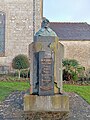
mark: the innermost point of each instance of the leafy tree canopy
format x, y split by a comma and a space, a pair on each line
20, 62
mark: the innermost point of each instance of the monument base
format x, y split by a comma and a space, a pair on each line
46, 107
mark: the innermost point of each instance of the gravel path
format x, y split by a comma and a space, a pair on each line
12, 107
79, 108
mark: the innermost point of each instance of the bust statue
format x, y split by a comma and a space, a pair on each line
45, 30
45, 23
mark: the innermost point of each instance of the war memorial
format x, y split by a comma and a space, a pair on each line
47, 100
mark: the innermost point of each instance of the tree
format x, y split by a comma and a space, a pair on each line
20, 62
72, 69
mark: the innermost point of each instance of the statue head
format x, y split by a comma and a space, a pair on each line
45, 23
45, 30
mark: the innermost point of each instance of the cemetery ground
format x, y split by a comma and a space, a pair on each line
12, 93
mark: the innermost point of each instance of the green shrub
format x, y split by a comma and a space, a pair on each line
72, 70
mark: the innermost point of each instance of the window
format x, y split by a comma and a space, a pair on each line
2, 34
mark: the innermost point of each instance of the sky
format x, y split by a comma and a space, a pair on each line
67, 10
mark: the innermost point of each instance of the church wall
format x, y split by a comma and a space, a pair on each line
38, 14
79, 50
23, 20
19, 27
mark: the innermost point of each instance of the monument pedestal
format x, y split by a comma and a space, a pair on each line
54, 107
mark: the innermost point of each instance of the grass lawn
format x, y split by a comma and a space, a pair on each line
7, 87
83, 91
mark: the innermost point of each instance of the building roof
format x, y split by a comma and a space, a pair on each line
71, 31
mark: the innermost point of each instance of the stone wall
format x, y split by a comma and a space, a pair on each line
38, 14
19, 26
23, 19
79, 50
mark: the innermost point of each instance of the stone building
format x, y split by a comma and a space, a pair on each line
19, 20
76, 40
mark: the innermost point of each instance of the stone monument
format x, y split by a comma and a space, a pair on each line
46, 100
